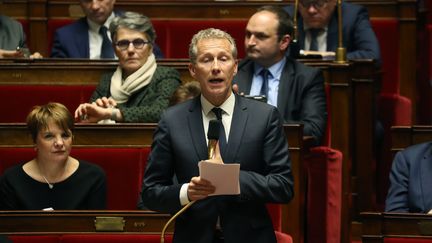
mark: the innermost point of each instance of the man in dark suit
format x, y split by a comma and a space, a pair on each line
297, 90
321, 17
411, 181
254, 139
88, 37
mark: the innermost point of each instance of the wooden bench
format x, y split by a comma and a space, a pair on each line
396, 228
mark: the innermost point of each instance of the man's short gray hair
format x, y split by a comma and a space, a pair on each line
133, 21
210, 33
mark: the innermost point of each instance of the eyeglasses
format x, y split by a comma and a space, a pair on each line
315, 3
137, 44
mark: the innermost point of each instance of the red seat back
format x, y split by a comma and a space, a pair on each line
387, 32
324, 195
20, 99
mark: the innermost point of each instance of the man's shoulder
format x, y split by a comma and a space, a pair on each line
74, 27
419, 149
352, 9
8, 21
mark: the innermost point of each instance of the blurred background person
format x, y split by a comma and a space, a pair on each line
295, 89
317, 27
53, 179
410, 180
89, 36
139, 90
185, 92
13, 40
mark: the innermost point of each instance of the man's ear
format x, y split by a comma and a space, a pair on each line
284, 42
192, 70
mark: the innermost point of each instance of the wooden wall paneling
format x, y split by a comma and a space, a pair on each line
38, 26
408, 53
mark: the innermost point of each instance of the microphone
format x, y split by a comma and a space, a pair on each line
213, 137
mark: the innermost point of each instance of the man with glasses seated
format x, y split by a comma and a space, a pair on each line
139, 90
318, 29
89, 37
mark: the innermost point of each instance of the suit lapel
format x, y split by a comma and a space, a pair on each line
285, 82
244, 79
238, 125
426, 179
195, 126
332, 34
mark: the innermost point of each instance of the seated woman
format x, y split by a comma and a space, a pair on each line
139, 90
410, 180
52, 180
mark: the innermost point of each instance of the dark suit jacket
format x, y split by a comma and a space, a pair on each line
359, 39
148, 103
301, 95
411, 181
72, 41
11, 34
256, 141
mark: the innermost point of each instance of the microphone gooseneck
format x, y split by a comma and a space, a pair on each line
213, 137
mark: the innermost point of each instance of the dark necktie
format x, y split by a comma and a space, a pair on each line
106, 49
314, 42
222, 138
264, 88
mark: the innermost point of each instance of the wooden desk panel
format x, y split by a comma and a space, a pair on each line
404, 136
378, 226
79, 221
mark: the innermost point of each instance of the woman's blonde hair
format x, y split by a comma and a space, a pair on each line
40, 116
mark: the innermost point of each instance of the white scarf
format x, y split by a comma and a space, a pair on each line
121, 89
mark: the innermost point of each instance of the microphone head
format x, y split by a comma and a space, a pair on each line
213, 130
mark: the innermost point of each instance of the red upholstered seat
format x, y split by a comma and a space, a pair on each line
124, 168
114, 238
35, 238
179, 33
283, 238
20, 99
324, 195
386, 30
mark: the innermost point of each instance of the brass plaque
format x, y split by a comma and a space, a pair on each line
109, 224
425, 227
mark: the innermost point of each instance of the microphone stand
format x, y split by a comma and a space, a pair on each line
213, 137
294, 45
340, 51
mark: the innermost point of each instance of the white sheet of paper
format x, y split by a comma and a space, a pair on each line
225, 177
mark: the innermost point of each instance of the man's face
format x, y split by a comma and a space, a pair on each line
215, 68
97, 11
261, 39
317, 13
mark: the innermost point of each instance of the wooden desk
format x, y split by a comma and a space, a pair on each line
404, 136
378, 226
80, 221
139, 135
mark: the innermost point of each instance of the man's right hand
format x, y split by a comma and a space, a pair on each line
199, 189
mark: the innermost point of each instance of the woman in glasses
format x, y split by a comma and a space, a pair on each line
139, 90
